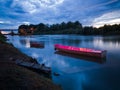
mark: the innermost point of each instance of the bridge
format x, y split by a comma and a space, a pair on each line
9, 31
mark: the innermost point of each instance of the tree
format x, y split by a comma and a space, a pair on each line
23, 29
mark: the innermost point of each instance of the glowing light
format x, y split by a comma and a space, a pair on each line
3, 32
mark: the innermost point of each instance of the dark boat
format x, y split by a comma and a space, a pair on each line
36, 44
81, 51
34, 66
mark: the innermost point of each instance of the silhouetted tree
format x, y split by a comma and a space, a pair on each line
69, 28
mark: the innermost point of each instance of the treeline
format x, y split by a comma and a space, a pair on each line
2, 38
71, 28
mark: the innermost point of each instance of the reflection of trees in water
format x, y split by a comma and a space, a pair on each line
111, 39
88, 40
30, 43
108, 42
68, 41
23, 42
74, 40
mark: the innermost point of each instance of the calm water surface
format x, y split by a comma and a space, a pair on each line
76, 72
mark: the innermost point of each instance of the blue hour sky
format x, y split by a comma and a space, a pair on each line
88, 12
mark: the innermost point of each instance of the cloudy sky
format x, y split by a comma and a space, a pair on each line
89, 12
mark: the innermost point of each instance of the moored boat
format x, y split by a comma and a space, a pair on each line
36, 44
81, 51
34, 66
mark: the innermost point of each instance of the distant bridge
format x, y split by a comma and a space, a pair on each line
8, 31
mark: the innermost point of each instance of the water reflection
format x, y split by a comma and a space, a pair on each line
76, 73
31, 44
107, 80
71, 82
93, 59
107, 42
67, 41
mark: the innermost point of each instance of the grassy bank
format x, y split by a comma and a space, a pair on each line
14, 77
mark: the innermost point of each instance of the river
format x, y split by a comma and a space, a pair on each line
76, 72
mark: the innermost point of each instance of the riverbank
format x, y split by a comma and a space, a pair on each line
14, 77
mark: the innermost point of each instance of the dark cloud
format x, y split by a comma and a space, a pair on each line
88, 12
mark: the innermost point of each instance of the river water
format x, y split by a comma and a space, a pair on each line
76, 72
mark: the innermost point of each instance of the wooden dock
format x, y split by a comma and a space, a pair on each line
40, 68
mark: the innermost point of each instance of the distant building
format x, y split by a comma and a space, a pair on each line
26, 29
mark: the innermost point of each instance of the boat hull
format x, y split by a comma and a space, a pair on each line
92, 53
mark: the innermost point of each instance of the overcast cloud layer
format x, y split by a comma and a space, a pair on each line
89, 12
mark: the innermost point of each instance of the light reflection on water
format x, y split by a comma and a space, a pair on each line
76, 73
108, 44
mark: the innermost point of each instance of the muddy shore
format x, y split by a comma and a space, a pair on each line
14, 77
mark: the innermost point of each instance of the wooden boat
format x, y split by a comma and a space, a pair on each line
82, 57
36, 45
81, 51
34, 66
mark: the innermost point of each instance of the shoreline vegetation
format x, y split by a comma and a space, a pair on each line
68, 28
14, 77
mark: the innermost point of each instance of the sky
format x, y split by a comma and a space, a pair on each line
88, 12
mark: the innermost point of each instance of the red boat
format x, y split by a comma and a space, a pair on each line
36, 45
81, 51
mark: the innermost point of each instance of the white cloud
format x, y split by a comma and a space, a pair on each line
1, 22
50, 3
102, 4
26, 23
107, 18
5, 22
26, 6
32, 6
9, 24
